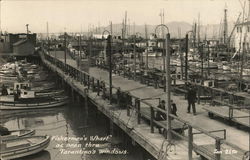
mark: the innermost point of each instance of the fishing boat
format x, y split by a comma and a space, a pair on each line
22, 132
150, 52
22, 97
4, 132
206, 65
13, 147
21, 70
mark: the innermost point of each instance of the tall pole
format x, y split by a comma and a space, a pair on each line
0, 18
168, 85
225, 31
65, 48
134, 52
201, 52
27, 29
195, 29
111, 28
208, 63
186, 59
80, 47
55, 48
146, 36
125, 25
47, 26
109, 51
164, 57
134, 58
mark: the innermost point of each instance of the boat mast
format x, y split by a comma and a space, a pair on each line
0, 18
243, 45
225, 30
146, 37
125, 25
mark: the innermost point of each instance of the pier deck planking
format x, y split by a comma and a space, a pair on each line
143, 91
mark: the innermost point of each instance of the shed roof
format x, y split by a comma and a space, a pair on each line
20, 42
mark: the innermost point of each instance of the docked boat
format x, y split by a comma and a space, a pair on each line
17, 147
22, 132
150, 52
206, 65
21, 70
22, 97
5, 133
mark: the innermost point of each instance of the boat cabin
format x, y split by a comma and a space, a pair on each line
209, 83
24, 90
25, 86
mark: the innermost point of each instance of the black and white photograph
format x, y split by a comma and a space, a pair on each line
124, 79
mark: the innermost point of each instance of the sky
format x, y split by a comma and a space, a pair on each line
78, 15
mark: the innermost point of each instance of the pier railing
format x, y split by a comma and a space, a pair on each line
146, 111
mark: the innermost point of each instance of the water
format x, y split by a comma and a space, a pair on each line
73, 120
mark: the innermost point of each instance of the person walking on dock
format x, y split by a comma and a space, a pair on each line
191, 97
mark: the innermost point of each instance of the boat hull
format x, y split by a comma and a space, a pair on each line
33, 106
23, 151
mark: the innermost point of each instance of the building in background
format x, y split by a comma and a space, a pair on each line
20, 44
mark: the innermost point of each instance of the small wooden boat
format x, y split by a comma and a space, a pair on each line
22, 132
5, 133
59, 101
22, 97
17, 147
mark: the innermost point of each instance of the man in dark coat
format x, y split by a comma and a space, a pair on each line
191, 97
159, 115
173, 108
4, 90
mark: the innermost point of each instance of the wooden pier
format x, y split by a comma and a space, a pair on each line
191, 134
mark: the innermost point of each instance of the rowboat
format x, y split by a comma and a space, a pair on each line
5, 133
22, 132
17, 147
59, 101
22, 97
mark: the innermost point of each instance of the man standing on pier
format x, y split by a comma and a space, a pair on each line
160, 116
191, 97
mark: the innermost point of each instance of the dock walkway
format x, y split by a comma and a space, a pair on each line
142, 133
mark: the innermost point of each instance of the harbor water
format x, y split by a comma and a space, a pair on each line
71, 128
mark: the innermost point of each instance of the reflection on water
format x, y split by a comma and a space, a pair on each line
44, 155
73, 120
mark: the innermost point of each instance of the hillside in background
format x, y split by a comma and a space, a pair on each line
176, 29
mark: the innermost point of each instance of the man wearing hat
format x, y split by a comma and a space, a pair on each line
160, 116
191, 97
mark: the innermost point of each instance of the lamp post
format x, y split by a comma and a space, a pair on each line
78, 60
65, 48
134, 50
163, 53
109, 51
55, 47
166, 60
186, 56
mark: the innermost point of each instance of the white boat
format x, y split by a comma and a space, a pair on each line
22, 132
5, 133
22, 97
206, 65
246, 72
18, 147
226, 68
38, 105
151, 52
